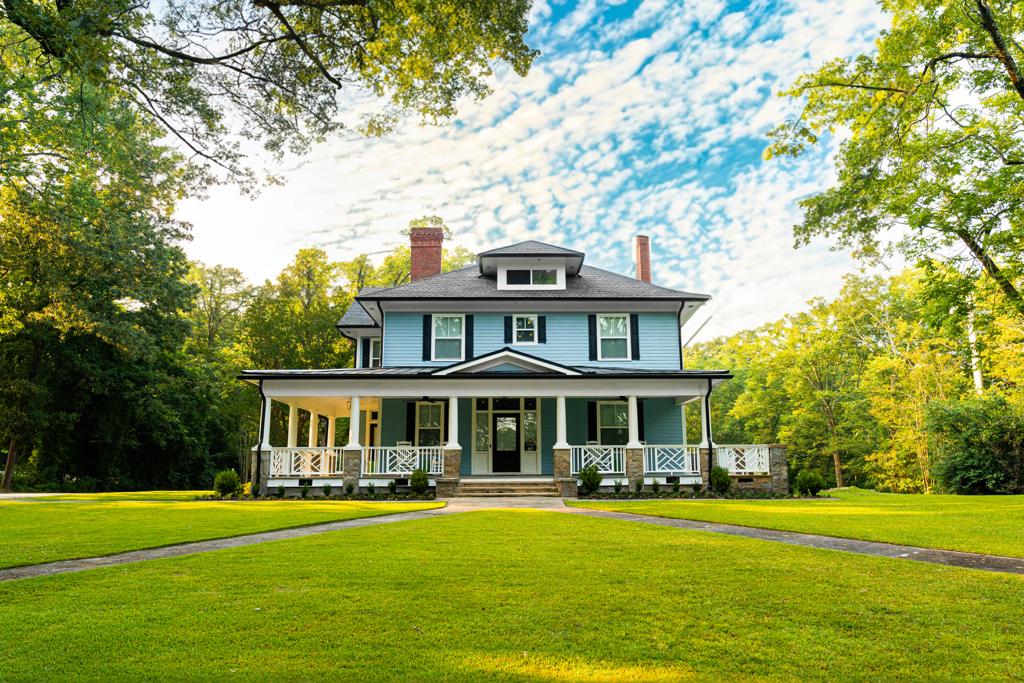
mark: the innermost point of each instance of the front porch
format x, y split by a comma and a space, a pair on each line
465, 442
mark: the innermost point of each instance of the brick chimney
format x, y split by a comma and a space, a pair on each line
425, 245
643, 258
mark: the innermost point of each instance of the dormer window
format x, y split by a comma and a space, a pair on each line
539, 276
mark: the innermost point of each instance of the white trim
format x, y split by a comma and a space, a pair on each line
536, 329
629, 336
527, 264
486, 458
380, 351
486, 362
433, 337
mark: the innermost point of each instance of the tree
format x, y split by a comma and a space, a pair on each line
269, 70
221, 296
935, 153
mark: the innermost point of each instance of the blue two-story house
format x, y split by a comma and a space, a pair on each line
507, 376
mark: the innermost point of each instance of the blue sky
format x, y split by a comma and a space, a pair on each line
638, 117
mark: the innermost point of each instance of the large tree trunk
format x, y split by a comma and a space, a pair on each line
1010, 291
12, 458
837, 462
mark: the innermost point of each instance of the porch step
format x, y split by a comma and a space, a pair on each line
510, 488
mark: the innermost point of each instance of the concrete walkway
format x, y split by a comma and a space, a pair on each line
993, 563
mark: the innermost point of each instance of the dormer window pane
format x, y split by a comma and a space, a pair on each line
517, 277
545, 277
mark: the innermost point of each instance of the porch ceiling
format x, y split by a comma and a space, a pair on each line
336, 406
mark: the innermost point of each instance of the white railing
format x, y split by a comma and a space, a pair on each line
402, 461
305, 461
671, 459
743, 458
609, 459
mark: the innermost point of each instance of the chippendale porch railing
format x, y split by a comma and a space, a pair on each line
671, 460
609, 459
402, 461
743, 458
305, 461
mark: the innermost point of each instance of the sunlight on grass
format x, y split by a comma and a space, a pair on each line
534, 667
981, 524
128, 495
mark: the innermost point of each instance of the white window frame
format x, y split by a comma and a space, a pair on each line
536, 329
416, 431
625, 405
375, 342
629, 336
433, 337
540, 264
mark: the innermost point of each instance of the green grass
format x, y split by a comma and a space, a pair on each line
40, 531
980, 524
516, 595
127, 495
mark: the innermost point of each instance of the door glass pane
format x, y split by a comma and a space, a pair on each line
530, 431
506, 435
506, 404
482, 432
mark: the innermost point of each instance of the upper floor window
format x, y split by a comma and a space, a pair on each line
375, 352
525, 329
448, 337
613, 337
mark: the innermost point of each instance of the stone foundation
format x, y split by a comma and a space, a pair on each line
634, 466
448, 483
562, 463
350, 466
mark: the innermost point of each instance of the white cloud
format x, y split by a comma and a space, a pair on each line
651, 122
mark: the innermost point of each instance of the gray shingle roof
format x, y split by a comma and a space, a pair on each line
428, 372
591, 283
531, 248
356, 315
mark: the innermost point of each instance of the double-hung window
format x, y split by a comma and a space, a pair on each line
375, 353
613, 337
524, 329
612, 423
429, 424
448, 337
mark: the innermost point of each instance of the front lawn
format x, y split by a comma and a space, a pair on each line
44, 530
128, 495
980, 524
515, 595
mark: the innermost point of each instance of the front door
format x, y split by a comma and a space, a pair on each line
506, 443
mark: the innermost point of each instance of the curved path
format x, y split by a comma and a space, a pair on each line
953, 558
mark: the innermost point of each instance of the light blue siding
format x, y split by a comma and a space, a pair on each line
567, 340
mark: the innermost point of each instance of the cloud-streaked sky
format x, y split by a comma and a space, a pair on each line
638, 117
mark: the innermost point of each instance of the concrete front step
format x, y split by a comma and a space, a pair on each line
506, 494
511, 488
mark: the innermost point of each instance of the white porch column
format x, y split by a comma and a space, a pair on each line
453, 424
331, 419
314, 425
561, 439
353, 424
634, 426
682, 413
265, 425
705, 408
293, 426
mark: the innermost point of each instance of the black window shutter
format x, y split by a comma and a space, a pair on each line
469, 337
426, 336
410, 422
640, 419
508, 329
444, 424
591, 420
634, 334
542, 329
366, 352
592, 325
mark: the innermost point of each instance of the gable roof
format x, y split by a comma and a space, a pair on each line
487, 260
497, 360
591, 283
356, 315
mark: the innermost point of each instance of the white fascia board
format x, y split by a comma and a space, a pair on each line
492, 385
530, 305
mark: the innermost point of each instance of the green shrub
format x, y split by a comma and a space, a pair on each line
655, 487
304, 491
809, 483
392, 487
720, 480
675, 487
227, 483
327, 490
979, 445
370, 488
349, 487
590, 479
618, 486
697, 487
638, 486
280, 491
418, 482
